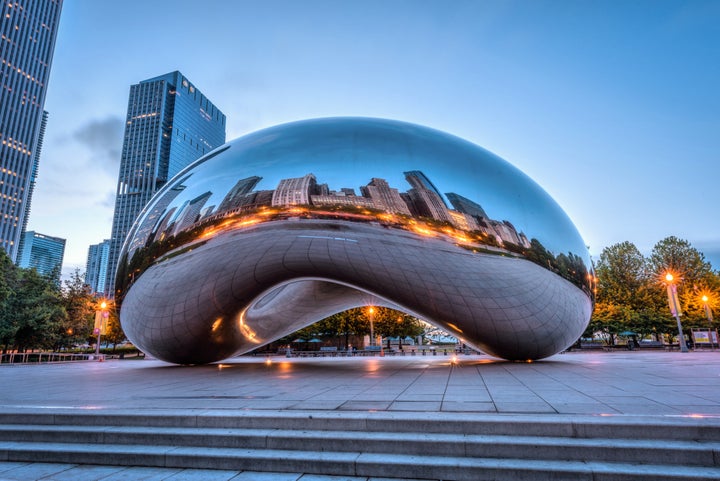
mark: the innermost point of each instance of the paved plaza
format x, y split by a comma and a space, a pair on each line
657, 386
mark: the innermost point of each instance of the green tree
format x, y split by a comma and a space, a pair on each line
631, 292
8, 281
347, 323
36, 309
80, 305
621, 273
628, 296
608, 320
394, 323
693, 275
113, 333
680, 258
695, 314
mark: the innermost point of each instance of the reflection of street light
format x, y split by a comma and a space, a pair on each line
673, 301
100, 322
709, 315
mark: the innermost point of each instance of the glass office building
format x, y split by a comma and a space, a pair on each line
28, 29
96, 267
44, 253
169, 124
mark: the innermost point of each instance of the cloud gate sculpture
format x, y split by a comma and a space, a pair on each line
285, 226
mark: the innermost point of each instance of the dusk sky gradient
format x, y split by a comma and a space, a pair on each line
613, 107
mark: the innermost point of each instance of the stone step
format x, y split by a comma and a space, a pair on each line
642, 451
349, 463
610, 427
399, 445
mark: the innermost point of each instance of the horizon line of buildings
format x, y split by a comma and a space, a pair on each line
422, 200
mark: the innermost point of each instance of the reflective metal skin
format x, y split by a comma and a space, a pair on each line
285, 226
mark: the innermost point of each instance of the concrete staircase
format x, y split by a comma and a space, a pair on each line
437, 446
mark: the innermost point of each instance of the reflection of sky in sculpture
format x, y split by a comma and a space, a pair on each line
348, 152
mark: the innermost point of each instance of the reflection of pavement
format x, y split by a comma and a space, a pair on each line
629, 387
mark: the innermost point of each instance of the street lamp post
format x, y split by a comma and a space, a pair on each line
709, 315
371, 315
673, 300
100, 319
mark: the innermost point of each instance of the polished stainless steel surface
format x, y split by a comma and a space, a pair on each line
282, 227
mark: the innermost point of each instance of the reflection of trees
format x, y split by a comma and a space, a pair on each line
145, 256
569, 266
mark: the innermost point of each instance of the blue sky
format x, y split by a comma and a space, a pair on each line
612, 107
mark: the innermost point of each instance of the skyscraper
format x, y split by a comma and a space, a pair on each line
44, 253
33, 178
169, 124
96, 267
28, 29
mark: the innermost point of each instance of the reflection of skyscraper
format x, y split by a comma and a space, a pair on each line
346, 200
192, 210
504, 231
96, 267
427, 204
169, 125
465, 205
153, 217
238, 194
424, 197
322, 189
420, 181
161, 231
28, 30
385, 197
263, 198
463, 221
295, 191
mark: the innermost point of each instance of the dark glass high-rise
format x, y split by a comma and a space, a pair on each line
169, 124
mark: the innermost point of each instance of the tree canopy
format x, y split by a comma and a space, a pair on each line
38, 313
631, 289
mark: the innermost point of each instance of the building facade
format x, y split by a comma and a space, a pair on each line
44, 253
96, 267
28, 29
169, 124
